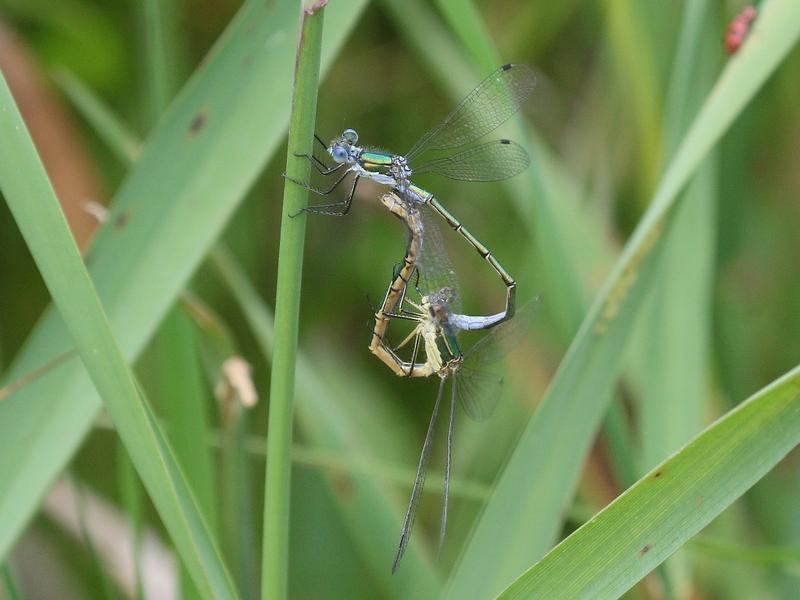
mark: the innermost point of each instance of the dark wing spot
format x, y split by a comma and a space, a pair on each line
505, 141
507, 66
197, 124
658, 474
645, 549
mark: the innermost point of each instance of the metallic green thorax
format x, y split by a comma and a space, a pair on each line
373, 160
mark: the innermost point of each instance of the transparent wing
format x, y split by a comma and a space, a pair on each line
493, 346
436, 272
448, 465
491, 161
483, 110
478, 392
419, 482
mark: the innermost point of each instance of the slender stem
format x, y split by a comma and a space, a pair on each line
287, 302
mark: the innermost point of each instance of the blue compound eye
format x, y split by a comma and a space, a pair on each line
350, 135
339, 154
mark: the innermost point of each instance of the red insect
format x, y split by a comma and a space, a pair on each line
738, 29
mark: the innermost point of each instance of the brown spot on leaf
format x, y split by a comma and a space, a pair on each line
658, 474
197, 124
645, 549
122, 219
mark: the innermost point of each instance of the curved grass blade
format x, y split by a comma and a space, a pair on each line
197, 165
38, 215
664, 509
275, 553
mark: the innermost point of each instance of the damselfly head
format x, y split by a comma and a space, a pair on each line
341, 149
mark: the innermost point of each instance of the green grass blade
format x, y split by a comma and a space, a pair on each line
675, 334
651, 520
196, 167
185, 396
238, 514
180, 381
182, 396
733, 551
38, 215
695, 24
238, 532
639, 86
275, 549
161, 58
524, 515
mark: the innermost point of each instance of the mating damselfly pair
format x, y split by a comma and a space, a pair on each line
436, 314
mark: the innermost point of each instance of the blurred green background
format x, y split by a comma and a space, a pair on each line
605, 131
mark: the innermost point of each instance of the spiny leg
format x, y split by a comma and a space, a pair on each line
320, 166
414, 354
346, 203
320, 142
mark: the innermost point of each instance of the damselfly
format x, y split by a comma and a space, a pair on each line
438, 322
484, 109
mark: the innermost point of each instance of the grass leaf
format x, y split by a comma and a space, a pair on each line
636, 532
38, 215
275, 551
